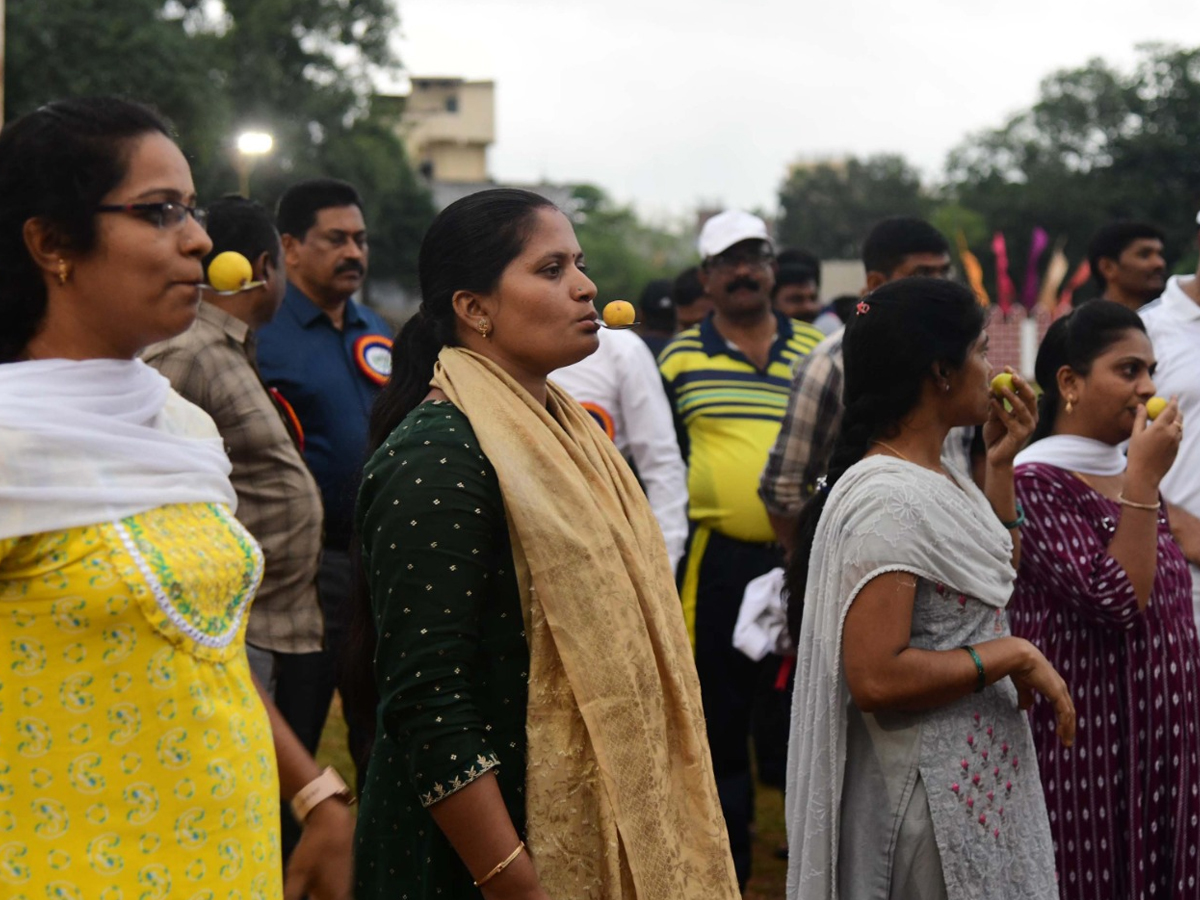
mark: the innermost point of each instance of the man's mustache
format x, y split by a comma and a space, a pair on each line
351, 265
743, 281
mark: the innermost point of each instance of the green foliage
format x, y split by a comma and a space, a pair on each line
1099, 144
952, 218
828, 208
622, 253
300, 69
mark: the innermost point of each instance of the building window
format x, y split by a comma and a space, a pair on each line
452, 103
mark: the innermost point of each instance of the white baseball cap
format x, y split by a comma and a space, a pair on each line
727, 228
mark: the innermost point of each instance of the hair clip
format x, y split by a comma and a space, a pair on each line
822, 485
863, 307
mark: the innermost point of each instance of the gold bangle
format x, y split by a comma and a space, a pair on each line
1153, 507
501, 867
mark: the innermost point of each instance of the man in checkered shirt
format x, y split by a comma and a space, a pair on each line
898, 247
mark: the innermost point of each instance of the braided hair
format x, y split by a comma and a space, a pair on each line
901, 331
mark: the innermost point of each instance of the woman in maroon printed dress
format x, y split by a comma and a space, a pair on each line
1104, 592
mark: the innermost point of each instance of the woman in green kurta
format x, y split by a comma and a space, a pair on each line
539, 726
451, 657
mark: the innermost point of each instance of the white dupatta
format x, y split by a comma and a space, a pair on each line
91, 441
883, 515
1075, 454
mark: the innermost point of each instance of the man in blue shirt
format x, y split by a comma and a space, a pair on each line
326, 356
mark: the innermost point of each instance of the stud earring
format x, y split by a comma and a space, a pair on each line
946, 387
484, 327
64, 270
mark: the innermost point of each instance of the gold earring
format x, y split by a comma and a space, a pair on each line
1070, 405
64, 270
484, 326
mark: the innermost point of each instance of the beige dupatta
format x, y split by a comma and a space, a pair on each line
620, 797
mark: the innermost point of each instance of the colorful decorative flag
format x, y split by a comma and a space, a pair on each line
1082, 274
972, 269
1005, 291
1056, 271
1037, 246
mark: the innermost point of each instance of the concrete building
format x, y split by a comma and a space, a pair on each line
447, 126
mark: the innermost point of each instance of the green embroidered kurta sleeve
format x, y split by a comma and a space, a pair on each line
451, 661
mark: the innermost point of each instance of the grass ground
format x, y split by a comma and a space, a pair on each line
769, 872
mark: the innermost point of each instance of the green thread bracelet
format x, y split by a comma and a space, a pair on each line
1018, 521
981, 681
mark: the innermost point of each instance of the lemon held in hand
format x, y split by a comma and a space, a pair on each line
1155, 406
1002, 381
619, 314
229, 271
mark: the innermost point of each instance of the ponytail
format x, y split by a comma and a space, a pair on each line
854, 440
885, 373
414, 355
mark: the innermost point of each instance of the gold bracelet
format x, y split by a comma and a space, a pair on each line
500, 868
1153, 507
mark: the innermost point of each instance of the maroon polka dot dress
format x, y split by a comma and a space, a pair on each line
1124, 802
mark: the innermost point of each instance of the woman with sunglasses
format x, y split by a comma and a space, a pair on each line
136, 758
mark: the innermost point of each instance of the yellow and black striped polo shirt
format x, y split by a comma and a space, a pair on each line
728, 413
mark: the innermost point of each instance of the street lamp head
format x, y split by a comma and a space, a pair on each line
254, 143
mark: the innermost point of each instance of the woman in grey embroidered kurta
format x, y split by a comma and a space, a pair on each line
911, 771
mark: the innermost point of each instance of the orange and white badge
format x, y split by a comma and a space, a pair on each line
373, 356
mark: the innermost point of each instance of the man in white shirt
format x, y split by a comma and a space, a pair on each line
621, 387
1173, 324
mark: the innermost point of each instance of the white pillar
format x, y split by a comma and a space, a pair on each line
1029, 345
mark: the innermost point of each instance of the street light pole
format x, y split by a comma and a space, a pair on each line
250, 146
1, 61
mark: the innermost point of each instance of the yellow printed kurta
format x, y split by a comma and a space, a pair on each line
136, 760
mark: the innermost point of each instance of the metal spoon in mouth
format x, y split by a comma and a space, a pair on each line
248, 286
620, 327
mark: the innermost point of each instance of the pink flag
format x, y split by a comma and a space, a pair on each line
1037, 246
1004, 284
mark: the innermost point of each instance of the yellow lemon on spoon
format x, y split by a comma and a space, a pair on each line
1155, 406
619, 314
229, 271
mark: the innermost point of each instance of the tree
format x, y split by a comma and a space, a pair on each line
1099, 144
83, 47
828, 208
622, 253
302, 69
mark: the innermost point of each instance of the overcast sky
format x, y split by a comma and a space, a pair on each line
668, 104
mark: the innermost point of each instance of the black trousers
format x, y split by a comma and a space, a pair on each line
733, 687
305, 682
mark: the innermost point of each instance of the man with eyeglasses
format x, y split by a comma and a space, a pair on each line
727, 379
327, 356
